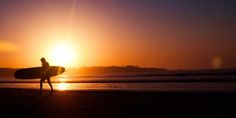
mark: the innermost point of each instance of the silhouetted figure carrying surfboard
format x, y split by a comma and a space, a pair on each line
45, 75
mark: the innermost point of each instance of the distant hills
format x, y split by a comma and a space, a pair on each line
134, 71
115, 69
95, 70
7, 71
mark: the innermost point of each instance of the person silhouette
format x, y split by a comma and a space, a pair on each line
45, 75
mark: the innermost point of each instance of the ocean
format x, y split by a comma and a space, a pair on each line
121, 82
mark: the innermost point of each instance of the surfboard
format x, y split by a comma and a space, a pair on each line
37, 72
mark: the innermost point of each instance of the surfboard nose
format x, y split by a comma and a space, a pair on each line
16, 74
61, 70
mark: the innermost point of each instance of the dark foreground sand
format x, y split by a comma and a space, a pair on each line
94, 104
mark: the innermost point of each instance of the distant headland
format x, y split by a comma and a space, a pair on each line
136, 70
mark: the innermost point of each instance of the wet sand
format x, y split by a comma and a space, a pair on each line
94, 104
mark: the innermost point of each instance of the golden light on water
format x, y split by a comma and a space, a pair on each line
62, 79
63, 86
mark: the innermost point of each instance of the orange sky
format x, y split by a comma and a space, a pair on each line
152, 34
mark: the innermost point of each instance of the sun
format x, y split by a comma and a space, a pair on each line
63, 54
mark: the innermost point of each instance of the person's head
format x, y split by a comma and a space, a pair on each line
43, 59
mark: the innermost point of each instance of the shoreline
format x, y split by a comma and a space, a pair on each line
142, 87
89, 104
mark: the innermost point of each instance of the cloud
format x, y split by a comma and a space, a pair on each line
6, 46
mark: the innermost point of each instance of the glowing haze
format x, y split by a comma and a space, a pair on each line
166, 33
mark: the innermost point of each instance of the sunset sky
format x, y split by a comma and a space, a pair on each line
172, 34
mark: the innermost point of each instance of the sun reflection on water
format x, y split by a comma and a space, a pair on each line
62, 79
63, 86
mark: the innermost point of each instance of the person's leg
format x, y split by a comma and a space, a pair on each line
41, 84
49, 82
